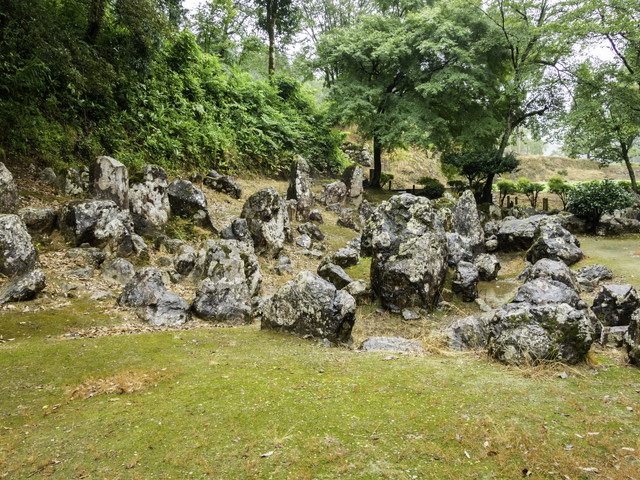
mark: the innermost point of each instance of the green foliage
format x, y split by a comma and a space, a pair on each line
561, 188
530, 189
432, 187
563, 172
477, 166
590, 200
385, 178
506, 187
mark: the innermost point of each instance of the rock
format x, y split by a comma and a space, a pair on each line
466, 222
459, 249
353, 178
238, 230
284, 266
360, 290
408, 314
491, 244
109, 180
91, 256
309, 305
488, 266
526, 334
333, 193
334, 274
615, 304
300, 189
391, 344
17, 253
102, 296
71, 182
101, 224
555, 242
118, 270
185, 261
552, 270
519, 234
312, 230
188, 201
223, 183
365, 210
149, 201
170, 245
316, 216
465, 281
229, 261
226, 301
591, 276
80, 272
348, 219
483, 305
345, 257
23, 288
355, 244
409, 252
8, 191
543, 291
40, 222
266, 215
632, 339
310, 253
468, 333
303, 241
153, 303
47, 176
613, 336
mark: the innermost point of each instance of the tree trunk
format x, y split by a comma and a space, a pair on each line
95, 18
487, 191
627, 162
377, 163
271, 31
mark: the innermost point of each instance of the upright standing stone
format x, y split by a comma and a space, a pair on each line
110, 181
17, 253
188, 201
8, 191
465, 222
266, 214
149, 201
353, 178
300, 189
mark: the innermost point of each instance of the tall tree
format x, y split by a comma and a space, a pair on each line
277, 18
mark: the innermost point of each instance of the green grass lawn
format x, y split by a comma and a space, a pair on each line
241, 403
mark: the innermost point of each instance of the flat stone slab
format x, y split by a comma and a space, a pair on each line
391, 344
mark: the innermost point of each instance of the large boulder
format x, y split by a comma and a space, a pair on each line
632, 339
223, 183
8, 191
591, 276
300, 189
409, 252
153, 303
544, 291
552, 270
119, 271
17, 253
109, 180
468, 333
40, 222
266, 214
309, 305
465, 221
459, 249
24, 287
465, 281
225, 301
188, 201
615, 304
334, 274
333, 193
488, 266
516, 234
527, 334
149, 201
555, 242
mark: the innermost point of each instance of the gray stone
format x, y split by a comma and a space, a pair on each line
224, 184
555, 242
544, 291
348, 219
613, 336
615, 304
185, 261
149, 201
283, 266
312, 230
466, 222
488, 266
188, 201
333, 193
109, 180
309, 305
102, 296
300, 189
17, 253
316, 216
152, 302
91, 256
8, 191
552, 270
468, 333
23, 288
591, 276
85, 272
409, 314
118, 270
268, 221
459, 249
303, 241
491, 244
334, 274
71, 182
40, 222
391, 344
226, 301
519, 234
632, 339
48, 176
345, 257
170, 245
465, 281
353, 179
315, 253
409, 252
238, 230
360, 290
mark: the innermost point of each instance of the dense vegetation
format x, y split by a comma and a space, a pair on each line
146, 81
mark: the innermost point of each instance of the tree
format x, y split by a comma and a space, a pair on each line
277, 18
530, 189
590, 200
506, 187
604, 119
477, 166
216, 23
561, 188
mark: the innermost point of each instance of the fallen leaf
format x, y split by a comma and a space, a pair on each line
268, 454
466, 454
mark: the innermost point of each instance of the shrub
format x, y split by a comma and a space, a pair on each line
385, 178
432, 187
563, 172
561, 188
506, 187
457, 186
530, 189
590, 200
